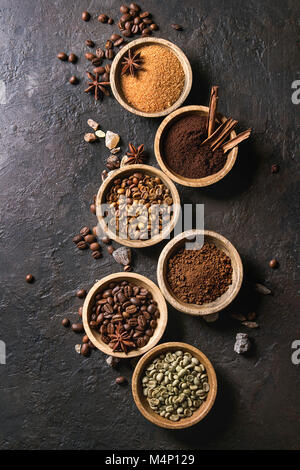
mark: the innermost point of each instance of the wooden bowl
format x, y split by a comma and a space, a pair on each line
158, 149
122, 172
142, 281
141, 401
221, 302
115, 74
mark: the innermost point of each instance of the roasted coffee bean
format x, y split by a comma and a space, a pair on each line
65, 322
97, 61
135, 7
80, 310
99, 70
177, 27
149, 332
145, 14
99, 53
127, 33
275, 168
62, 56
109, 44
89, 56
147, 21
82, 245
141, 342
151, 308
142, 321
107, 68
103, 18
85, 350
142, 26
90, 43
146, 32
85, 339
125, 17
153, 27
124, 9
106, 240
118, 42
84, 231
105, 78
93, 208
97, 254
77, 239
121, 380
77, 327
29, 278
90, 238
132, 13
73, 58
95, 246
114, 37
274, 264
81, 293
128, 25
85, 16
73, 80
109, 54
110, 249
110, 21
135, 29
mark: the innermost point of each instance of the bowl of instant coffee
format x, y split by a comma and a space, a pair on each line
199, 272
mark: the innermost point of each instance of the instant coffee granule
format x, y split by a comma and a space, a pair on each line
158, 84
184, 153
199, 276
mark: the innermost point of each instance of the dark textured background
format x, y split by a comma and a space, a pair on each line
49, 396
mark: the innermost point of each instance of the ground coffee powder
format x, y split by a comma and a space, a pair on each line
182, 150
199, 276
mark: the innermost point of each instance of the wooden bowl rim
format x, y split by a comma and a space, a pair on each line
157, 296
209, 308
192, 182
138, 243
181, 57
151, 415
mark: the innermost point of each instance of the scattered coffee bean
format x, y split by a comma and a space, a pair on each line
80, 310
100, 70
96, 254
77, 239
177, 27
107, 68
105, 78
106, 240
93, 208
124, 9
82, 245
145, 14
135, 7
118, 42
90, 43
73, 80
109, 44
89, 56
273, 263
85, 16
77, 327
95, 246
135, 29
84, 231
81, 293
110, 21
65, 322
153, 27
90, 238
85, 350
109, 54
99, 53
103, 18
62, 56
275, 168
29, 278
73, 58
114, 37
127, 34
85, 339
121, 380
146, 32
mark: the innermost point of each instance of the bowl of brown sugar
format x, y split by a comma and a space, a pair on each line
151, 77
187, 155
199, 272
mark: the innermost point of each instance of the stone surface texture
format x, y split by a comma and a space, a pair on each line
49, 394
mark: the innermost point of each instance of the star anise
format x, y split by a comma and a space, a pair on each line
97, 87
131, 63
135, 155
120, 340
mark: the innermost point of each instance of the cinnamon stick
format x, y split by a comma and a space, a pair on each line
212, 110
237, 140
224, 134
215, 133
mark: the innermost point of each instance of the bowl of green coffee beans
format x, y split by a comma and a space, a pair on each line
174, 385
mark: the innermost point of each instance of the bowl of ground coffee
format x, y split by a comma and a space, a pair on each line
151, 77
199, 272
182, 153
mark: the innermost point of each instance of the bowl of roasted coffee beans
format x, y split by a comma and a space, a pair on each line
124, 315
174, 385
150, 77
137, 206
199, 272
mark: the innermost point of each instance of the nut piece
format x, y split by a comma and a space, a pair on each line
122, 255
89, 137
111, 139
100, 134
112, 361
242, 343
124, 160
112, 162
78, 348
93, 124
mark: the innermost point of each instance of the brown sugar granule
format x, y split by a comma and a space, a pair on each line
183, 152
199, 276
158, 84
